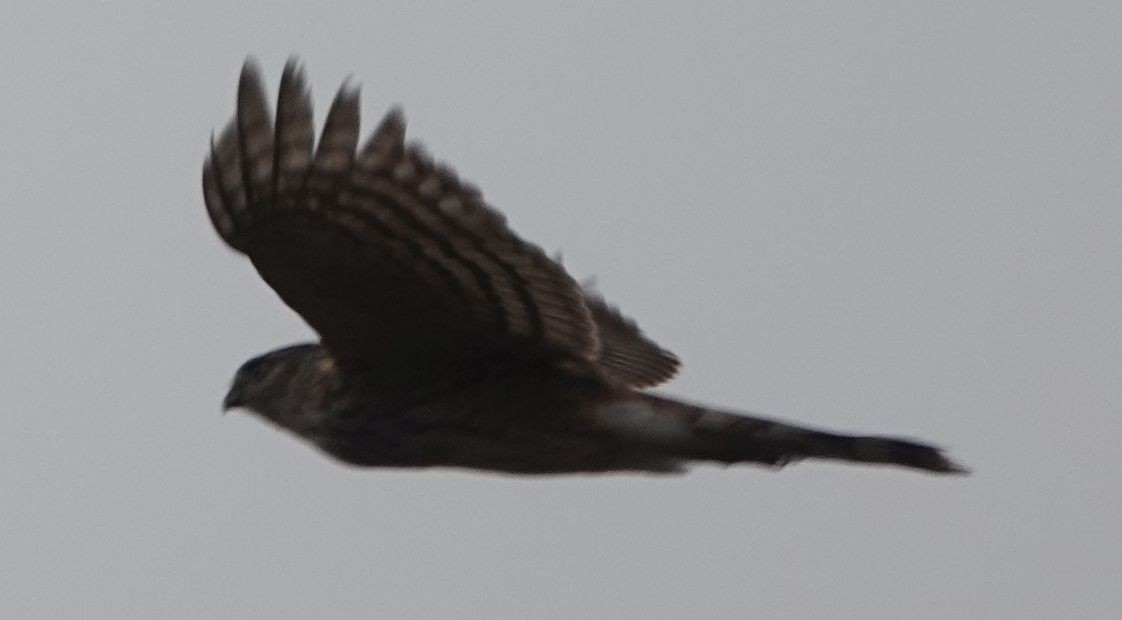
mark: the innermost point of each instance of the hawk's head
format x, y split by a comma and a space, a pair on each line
264, 384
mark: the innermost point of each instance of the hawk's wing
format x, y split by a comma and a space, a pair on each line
393, 260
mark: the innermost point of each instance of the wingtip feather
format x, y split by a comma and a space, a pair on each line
294, 130
336, 150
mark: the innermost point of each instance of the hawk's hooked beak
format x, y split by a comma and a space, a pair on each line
233, 400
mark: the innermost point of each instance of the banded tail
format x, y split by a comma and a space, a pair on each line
690, 432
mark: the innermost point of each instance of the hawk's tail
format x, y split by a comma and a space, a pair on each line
698, 433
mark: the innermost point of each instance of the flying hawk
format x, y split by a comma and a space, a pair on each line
445, 339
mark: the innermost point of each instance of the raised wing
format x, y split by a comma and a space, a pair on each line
387, 255
395, 262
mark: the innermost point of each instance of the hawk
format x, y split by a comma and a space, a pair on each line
445, 339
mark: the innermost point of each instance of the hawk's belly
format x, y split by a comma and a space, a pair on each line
521, 442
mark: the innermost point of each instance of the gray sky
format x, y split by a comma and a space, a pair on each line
868, 217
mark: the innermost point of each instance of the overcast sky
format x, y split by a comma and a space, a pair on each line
864, 216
